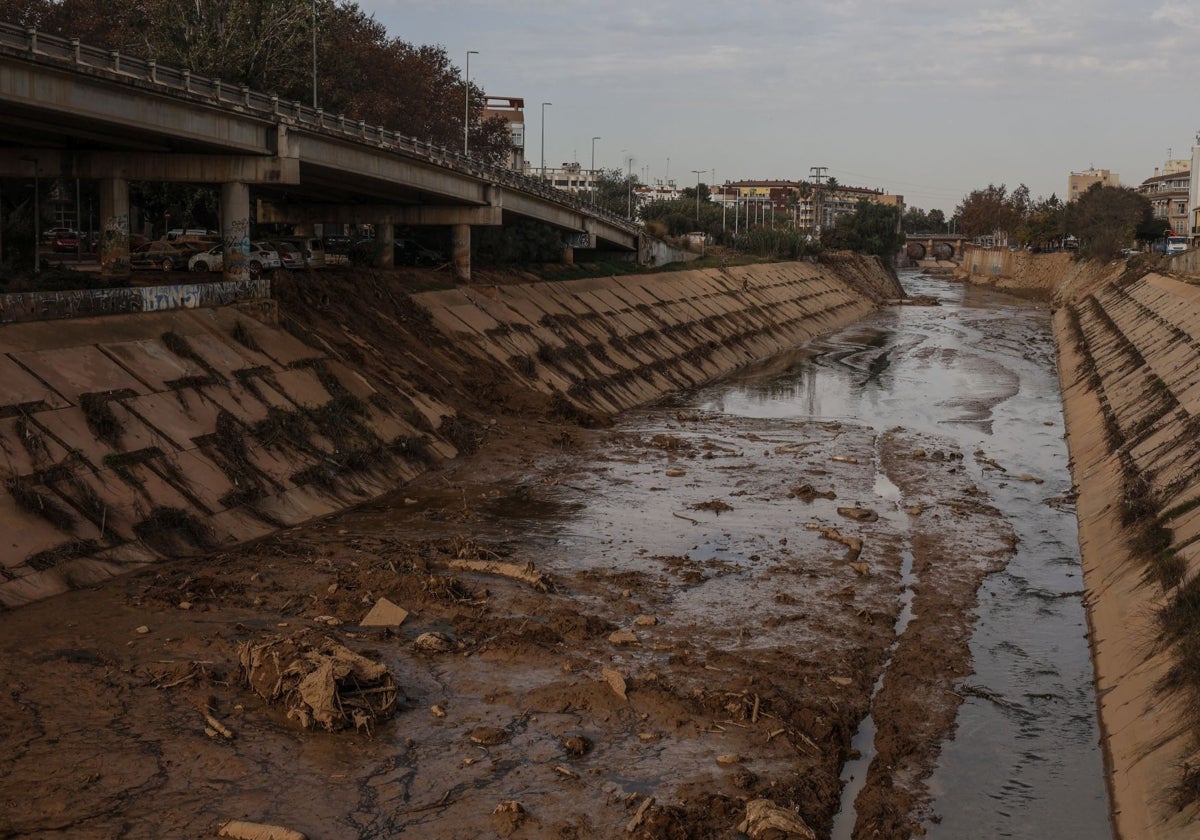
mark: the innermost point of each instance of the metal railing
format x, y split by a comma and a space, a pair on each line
70, 53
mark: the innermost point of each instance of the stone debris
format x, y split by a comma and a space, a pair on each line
729, 759
242, 830
508, 817
855, 544
623, 637
715, 505
577, 744
645, 621
384, 614
434, 643
319, 682
525, 574
806, 493
858, 514
488, 736
437, 711
616, 682
861, 568
844, 459
675, 472
767, 821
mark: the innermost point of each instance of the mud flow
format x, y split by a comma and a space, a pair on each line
845, 583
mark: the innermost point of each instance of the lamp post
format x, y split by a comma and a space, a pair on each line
467, 100
314, 51
629, 189
544, 104
697, 172
594, 139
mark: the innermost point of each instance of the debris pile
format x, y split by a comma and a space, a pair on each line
320, 683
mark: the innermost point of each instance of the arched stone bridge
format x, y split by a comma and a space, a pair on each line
935, 246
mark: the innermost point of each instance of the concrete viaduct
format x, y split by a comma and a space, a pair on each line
74, 111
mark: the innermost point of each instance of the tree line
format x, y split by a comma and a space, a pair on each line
1103, 219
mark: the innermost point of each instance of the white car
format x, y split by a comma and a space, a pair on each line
261, 257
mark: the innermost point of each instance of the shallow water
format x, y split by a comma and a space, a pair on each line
980, 370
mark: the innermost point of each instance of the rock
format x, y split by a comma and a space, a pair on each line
185, 605
806, 493
844, 459
433, 643
729, 759
488, 736
577, 744
384, 614
623, 637
675, 472
861, 568
645, 621
143, 630
508, 817
767, 821
332, 621
409, 501
858, 514
437, 711
842, 681
647, 737
333, 588
918, 453
616, 682
242, 830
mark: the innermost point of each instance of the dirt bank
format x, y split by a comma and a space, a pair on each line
1059, 278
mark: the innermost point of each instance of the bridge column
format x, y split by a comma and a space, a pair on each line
460, 252
114, 225
235, 231
385, 244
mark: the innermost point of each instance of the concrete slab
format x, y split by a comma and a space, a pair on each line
19, 387
351, 380
302, 387
79, 370
203, 478
475, 318
25, 448
32, 586
175, 420
279, 345
23, 533
153, 363
227, 355
69, 426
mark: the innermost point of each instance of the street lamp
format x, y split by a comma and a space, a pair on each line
697, 172
467, 99
629, 189
594, 139
314, 51
544, 104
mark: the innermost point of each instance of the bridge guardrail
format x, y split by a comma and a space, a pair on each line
71, 52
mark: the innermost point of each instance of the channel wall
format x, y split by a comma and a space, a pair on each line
128, 438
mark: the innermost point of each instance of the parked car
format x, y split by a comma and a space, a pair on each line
160, 254
50, 234
290, 256
261, 257
338, 244
311, 248
66, 242
180, 233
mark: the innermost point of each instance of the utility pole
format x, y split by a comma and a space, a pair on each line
544, 104
314, 53
818, 176
697, 172
629, 188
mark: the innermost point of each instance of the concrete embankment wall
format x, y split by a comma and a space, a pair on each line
1129, 358
131, 437
1058, 277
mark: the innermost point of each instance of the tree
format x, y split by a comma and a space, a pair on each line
1106, 219
613, 190
983, 212
871, 229
916, 220
937, 221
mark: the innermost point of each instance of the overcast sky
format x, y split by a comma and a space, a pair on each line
925, 98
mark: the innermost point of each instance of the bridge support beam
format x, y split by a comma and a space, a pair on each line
235, 231
114, 226
350, 214
460, 252
385, 244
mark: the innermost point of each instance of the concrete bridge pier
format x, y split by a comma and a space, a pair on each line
460, 252
114, 222
235, 230
385, 243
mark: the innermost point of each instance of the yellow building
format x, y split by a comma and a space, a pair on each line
1079, 182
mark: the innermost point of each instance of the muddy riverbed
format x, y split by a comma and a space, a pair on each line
725, 578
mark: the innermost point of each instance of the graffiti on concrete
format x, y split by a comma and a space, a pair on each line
114, 245
236, 236
80, 303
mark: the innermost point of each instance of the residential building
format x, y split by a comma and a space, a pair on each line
1168, 192
660, 190
511, 109
1079, 182
1194, 198
570, 177
806, 206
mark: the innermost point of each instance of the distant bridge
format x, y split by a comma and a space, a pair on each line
75, 111
935, 246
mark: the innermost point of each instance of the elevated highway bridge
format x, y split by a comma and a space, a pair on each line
74, 111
